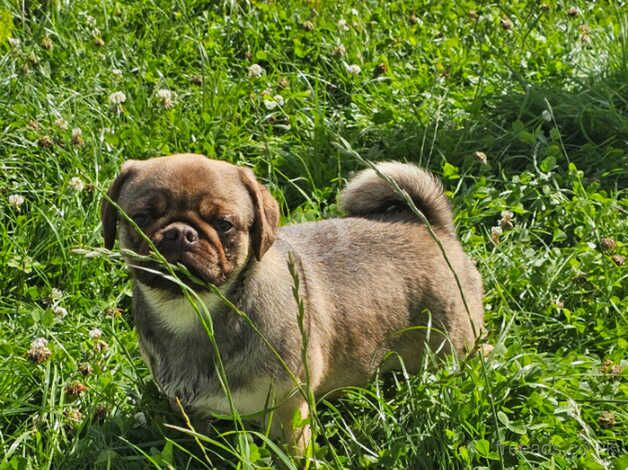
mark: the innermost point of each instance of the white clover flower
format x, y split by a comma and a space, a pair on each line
505, 222
507, 215
15, 43
496, 232
77, 136
59, 311
342, 24
272, 103
61, 123
95, 333
354, 12
39, 352
353, 69
16, 200
56, 294
77, 184
339, 50
166, 96
39, 343
480, 157
546, 115
117, 98
256, 71
116, 73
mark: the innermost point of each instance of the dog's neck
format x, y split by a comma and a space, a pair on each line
179, 315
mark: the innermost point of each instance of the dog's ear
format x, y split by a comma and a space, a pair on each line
108, 212
266, 208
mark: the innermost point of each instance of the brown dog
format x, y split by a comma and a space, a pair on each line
365, 281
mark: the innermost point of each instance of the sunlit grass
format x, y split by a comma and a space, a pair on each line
540, 92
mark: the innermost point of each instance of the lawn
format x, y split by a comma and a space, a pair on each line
521, 109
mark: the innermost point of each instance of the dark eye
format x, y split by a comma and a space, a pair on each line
142, 219
223, 225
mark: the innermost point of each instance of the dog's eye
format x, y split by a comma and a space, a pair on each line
223, 225
142, 219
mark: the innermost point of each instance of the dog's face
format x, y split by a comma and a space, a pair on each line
208, 215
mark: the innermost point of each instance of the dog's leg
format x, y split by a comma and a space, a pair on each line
291, 425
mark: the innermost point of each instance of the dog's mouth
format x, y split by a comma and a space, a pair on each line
187, 271
192, 269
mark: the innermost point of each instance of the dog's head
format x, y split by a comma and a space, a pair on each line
208, 215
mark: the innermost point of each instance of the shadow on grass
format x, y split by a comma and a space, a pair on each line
585, 123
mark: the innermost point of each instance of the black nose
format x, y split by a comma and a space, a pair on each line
178, 236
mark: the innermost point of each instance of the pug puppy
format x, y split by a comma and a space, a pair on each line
369, 284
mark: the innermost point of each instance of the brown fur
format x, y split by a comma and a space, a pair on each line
365, 282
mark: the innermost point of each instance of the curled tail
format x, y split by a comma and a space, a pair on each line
367, 194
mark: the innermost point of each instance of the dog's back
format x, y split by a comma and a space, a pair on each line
379, 278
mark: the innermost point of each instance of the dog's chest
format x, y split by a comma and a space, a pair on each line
257, 396
182, 361
174, 343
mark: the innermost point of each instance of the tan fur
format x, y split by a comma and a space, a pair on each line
369, 285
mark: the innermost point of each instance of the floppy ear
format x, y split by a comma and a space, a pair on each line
108, 212
266, 213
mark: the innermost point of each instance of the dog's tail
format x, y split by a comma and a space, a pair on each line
369, 194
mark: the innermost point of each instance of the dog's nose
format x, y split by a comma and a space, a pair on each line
178, 236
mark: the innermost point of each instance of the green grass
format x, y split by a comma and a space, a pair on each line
541, 90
